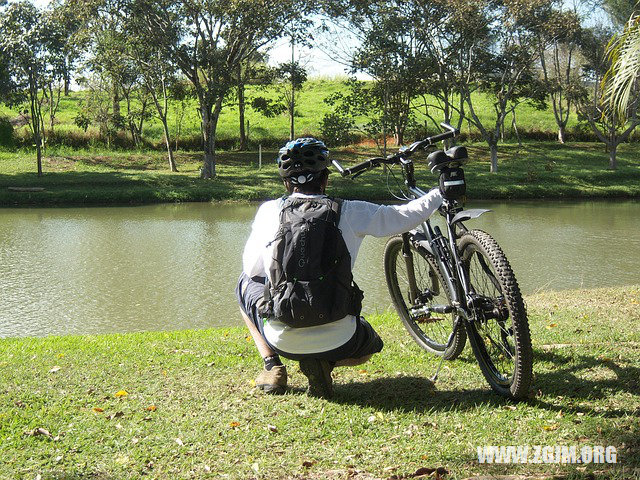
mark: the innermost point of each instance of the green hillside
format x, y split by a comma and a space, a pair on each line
311, 108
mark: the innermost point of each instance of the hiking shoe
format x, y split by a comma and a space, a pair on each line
319, 374
273, 381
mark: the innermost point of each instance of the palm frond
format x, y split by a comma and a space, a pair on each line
624, 54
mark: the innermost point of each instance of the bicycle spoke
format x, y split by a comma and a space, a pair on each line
438, 328
498, 338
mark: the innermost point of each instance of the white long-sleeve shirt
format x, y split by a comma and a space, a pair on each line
357, 220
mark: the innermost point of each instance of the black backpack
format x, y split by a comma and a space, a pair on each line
311, 268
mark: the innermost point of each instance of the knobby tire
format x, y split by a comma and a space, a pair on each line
432, 333
502, 345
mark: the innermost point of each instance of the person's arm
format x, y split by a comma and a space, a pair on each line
384, 220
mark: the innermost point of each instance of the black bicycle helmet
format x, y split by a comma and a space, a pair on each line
302, 160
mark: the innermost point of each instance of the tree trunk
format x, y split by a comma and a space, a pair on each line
167, 141
291, 119
514, 128
292, 105
241, 106
209, 126
66, 74
493, 146
613, 161
399, 135
562, 134
116, 105
39, 153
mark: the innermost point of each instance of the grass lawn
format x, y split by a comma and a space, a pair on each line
173, 405
310, 110
536, 170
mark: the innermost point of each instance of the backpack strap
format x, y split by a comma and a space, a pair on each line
336, 206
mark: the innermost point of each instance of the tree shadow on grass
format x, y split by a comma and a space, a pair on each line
412, 394
565, 379
53, 475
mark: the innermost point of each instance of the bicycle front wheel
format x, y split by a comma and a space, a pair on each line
499, 330
430, 330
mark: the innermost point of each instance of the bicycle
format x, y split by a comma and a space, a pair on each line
447, 287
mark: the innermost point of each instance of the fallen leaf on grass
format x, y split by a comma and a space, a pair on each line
38, 431
552, 325
115, 415
234, 424
436, 473
308, 463
121, 393
362, 372
272, 428
551, 427
98, 409
151, 408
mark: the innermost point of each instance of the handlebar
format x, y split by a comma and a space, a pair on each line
404, 153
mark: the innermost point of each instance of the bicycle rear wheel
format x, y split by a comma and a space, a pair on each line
499, 330
429, 330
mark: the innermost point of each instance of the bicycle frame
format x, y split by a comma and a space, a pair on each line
436, 244
430, 238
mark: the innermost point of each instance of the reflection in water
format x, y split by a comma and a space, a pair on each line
167, 267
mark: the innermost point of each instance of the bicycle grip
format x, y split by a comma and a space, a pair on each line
443, 136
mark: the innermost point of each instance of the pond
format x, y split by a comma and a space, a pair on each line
168, 267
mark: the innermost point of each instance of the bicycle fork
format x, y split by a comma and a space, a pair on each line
411, 274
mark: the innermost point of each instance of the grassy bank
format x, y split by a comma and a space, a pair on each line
536, 170
172, 405
310, 110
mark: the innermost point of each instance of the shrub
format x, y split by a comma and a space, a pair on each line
337, 129
6, 133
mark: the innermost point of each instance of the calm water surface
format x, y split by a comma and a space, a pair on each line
167, 267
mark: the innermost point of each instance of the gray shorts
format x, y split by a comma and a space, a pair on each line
365, 341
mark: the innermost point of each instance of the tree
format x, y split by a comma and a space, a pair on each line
558, 49
288, 79
612, 126
67, 26
393, 51
208, 40
247, 71
157, 75
497, 59
362, 99
31, 54
620, 10
103, 34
